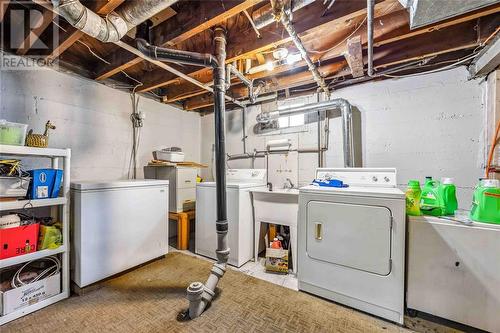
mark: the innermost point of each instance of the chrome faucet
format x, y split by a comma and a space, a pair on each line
288, 184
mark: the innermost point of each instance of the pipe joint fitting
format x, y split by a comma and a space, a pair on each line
222, 255
195, 291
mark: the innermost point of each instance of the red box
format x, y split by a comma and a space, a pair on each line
18, 240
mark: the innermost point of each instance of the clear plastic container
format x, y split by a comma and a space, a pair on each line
12, 133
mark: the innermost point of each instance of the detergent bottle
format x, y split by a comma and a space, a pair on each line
486, 202
413, 195
448, 193
431, 202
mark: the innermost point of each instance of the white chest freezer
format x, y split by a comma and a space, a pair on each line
115, 226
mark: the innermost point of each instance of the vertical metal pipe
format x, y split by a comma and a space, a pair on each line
198, 294
370, 7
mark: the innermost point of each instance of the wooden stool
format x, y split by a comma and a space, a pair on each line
182, 219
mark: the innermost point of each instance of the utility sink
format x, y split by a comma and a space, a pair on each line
280, 206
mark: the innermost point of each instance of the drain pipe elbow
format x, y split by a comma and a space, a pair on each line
175, 56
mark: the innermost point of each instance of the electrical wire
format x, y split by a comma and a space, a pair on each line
437, 70
52, 270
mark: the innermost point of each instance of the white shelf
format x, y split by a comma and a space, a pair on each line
31, 256
20, 204
56, 155
32, 308
31, 151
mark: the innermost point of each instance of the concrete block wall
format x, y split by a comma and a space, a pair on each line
429, 125
94, 121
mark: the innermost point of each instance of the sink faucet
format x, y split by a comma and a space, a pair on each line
270, 186
288, 184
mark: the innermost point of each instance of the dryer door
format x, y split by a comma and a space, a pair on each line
354, 236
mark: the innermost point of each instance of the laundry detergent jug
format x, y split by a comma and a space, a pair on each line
448, 191
413, 195
486, 202
431, 202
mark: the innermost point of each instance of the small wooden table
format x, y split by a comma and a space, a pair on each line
183, 219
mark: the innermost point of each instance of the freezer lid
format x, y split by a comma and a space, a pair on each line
110, 184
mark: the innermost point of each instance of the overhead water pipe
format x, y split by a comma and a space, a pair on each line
263, 19
339, 103
370, 8
283, 14
116, 24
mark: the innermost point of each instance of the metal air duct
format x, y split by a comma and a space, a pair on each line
115, 25
339, 103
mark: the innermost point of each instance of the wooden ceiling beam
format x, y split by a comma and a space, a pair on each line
288, 81
452, 39
72, 35
177, 29
308, 22
393, 20
383, 35
40, 25
4, 4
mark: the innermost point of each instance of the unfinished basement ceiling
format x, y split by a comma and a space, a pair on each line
333, 37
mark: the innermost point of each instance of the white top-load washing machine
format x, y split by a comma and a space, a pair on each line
239, 215
352, 240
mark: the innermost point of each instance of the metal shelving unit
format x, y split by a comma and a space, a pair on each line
60, 204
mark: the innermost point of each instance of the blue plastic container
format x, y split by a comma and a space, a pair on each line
45, 183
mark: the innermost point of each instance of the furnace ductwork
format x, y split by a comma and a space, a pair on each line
339, 103
115, 25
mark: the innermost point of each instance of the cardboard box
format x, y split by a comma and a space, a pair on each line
15, 299
277, 260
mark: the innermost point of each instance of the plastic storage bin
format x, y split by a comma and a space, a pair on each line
12, 133
17, 241
14, 187
45, 183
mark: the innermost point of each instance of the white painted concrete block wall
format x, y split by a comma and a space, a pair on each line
429, 125
94, 121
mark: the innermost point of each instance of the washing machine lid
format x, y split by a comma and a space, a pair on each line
232, 185
377, 192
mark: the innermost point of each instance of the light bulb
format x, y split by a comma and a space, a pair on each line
269, 65
292, 58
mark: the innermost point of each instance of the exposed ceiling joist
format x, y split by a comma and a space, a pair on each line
308, 21
176, 30
453, 39
384, 34
395, 21
4, 4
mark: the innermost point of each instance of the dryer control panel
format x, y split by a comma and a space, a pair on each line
378, 177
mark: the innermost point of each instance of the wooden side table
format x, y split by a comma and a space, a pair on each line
183, 219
